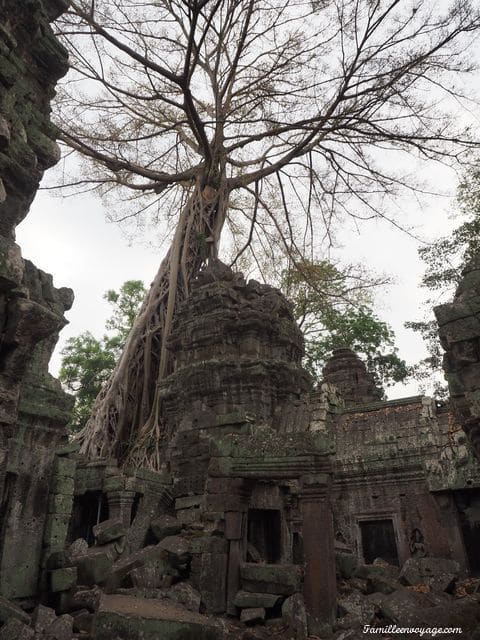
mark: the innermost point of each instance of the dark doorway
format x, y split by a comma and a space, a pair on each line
89, 509
468, 505
378, 541
264, 533
471, 539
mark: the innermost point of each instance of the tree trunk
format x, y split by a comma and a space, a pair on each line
126, 417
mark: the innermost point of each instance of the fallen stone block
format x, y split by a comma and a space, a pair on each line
253, 616
109, 531
14, 629
250, 600
164, 526
9, 610
295, 615
42, 618
127, 618
281, 579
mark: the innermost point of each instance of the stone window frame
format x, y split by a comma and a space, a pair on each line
372, 516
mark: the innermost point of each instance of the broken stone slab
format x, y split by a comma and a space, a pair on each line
295, 615
253, 616
9, 610
42, 618
185, 594
127, 618
14, 629
164, 526
109, 531
358, 605
439, 573
281, 579
61, 628
250, 600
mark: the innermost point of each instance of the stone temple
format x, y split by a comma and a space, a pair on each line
285, 508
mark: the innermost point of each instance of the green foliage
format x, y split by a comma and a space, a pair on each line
334, 309
88, 362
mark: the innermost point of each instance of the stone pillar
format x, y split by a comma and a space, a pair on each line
319, 554
120, 505
236, 534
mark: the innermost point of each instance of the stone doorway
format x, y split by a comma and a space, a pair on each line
264, 533
89, 509
378, 541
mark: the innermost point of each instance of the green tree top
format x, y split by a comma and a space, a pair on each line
334, 309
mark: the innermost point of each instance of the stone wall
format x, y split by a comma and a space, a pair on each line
33, 408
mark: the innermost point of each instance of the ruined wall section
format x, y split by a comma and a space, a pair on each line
33, 408
459, 331
31, 62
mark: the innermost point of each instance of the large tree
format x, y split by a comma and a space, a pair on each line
271, 115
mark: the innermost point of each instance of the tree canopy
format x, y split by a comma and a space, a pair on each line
271, 119
344, 317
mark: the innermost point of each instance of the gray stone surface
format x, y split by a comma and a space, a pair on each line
438, 573
109, 530
295, 615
